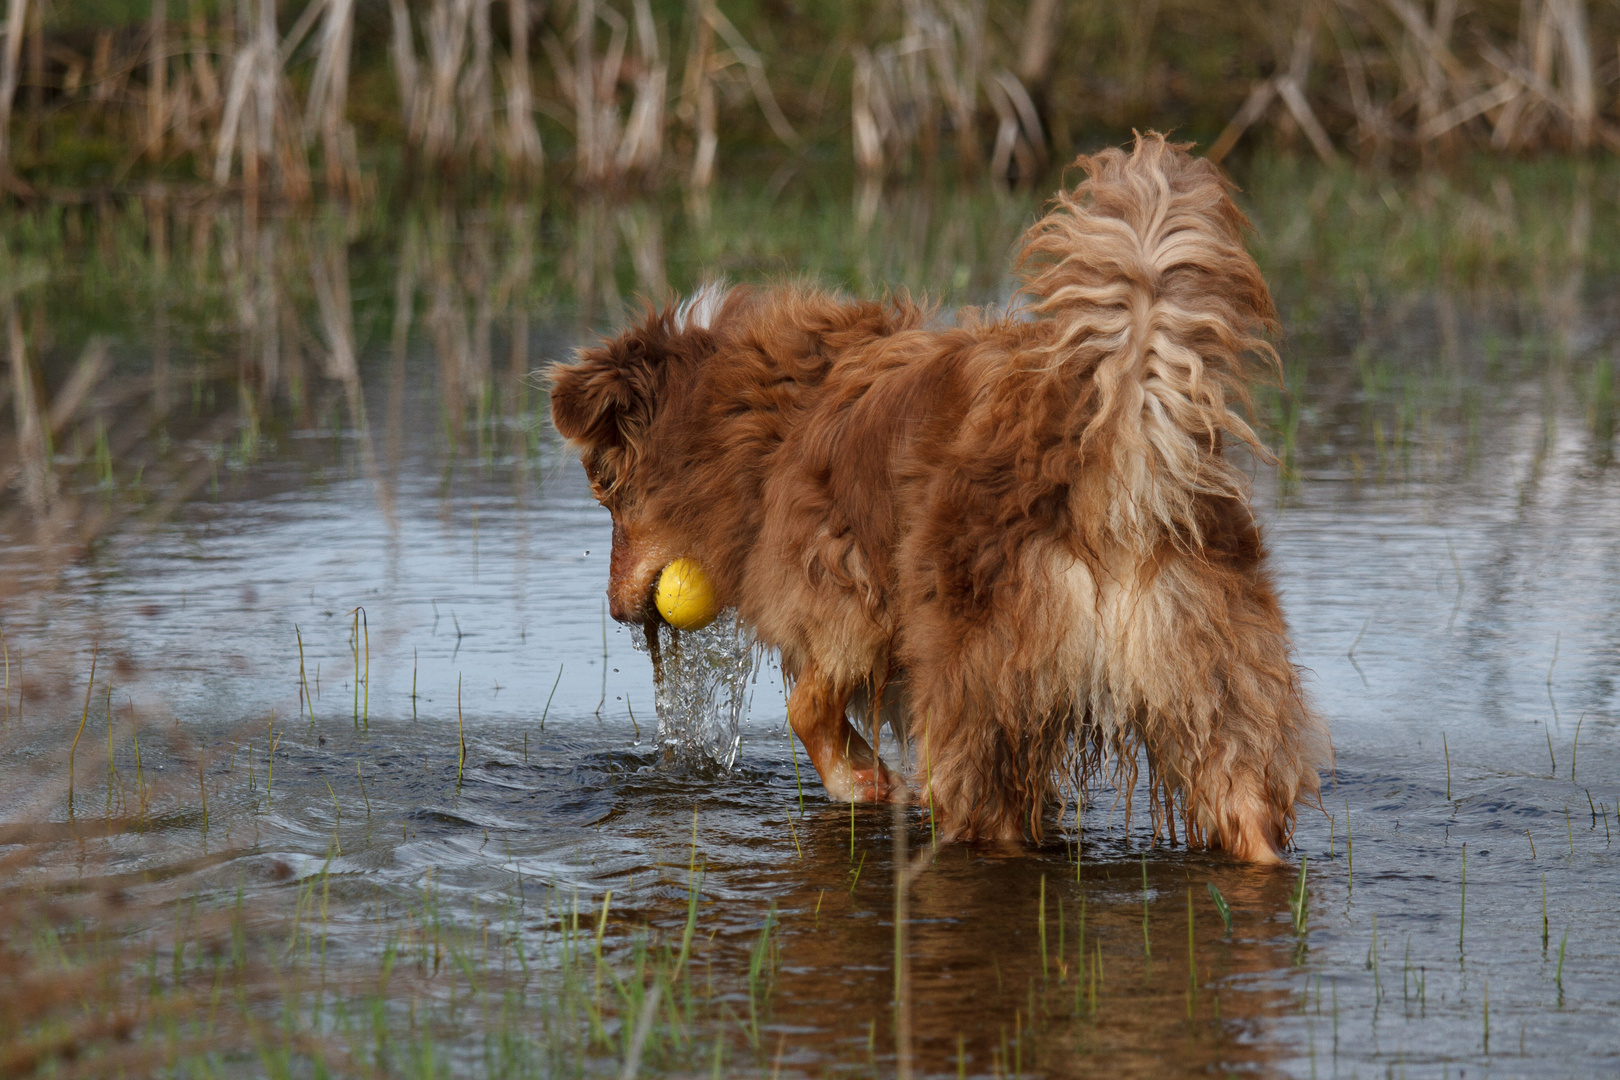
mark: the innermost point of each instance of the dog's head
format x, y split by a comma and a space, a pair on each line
610, 403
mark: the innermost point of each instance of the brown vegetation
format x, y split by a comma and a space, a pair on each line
250, 92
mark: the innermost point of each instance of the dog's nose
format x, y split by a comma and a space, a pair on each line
635, 612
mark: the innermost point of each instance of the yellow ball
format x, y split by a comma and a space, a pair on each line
685, 598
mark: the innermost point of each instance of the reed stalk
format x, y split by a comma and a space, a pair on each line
1447, 748
202, 62
402, 55
157, 104
140, 779
1298, 907
112, 768
1221, 907
642, 145
1079, 842
365, 624
270, 769
1147, 945
547, 710
902, 915
698, 90
1062, 949
798, 782
304, 700
1096, 977
1575, 749
446, 33
1372, 962
1080, 935
328, 100
476, 88
1192, 957
603, 699
95, 650
524, 154
1041, 922
851, 815
10, 70
1544, 914
354, 652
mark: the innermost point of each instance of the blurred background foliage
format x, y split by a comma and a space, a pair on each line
290, 98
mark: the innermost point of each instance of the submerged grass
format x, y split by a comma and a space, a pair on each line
461, 733
72, 750
547, 710
235, 986
304, 700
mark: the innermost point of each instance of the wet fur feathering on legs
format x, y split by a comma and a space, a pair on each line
1021, 532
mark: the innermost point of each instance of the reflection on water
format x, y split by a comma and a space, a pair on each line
222, 436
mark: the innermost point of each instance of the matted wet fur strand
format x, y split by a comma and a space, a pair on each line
1018, 538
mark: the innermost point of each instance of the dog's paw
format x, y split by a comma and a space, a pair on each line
849, 782
876, 785
1254, 847
1251, 830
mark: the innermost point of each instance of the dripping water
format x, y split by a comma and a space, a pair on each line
701, 680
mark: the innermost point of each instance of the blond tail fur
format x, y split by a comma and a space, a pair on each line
1144, 276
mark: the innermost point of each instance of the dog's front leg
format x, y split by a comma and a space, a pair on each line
849, 770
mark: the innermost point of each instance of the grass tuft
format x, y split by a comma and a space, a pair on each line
1221, 907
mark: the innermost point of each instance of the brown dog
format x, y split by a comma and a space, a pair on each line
1022, 535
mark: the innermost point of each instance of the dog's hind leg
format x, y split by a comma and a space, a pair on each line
849, 770
1244, 748
1228, 797
989, 781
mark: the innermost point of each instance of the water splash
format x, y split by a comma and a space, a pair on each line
702, 680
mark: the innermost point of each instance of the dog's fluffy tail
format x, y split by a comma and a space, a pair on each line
1142, 271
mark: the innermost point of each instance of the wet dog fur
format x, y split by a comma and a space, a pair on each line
1022, 533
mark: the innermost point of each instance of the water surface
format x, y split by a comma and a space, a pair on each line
256, 430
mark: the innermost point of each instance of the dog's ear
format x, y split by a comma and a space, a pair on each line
588, 397
604, 399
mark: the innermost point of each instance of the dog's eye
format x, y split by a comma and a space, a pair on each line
603, 472
602, 489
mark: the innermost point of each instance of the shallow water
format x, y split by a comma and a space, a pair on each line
1446, 533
